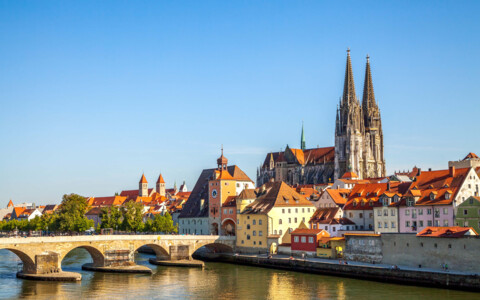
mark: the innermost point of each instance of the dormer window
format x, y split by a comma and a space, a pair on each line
395, 198
359, 194
354, 203
362, 203
410, 201
432, 196
447, 195
371, 203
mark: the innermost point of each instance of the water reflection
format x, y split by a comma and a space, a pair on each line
216, 281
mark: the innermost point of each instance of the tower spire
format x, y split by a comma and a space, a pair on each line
368, 95
302, 139
349, 85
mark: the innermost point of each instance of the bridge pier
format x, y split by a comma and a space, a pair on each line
117, 261
47, 268
179, 256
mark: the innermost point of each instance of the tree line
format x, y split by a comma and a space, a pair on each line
70, 217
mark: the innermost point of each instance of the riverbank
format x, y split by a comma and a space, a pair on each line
381, 273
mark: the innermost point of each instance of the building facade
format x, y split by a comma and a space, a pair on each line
468, 213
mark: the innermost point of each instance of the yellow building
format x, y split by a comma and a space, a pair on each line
277, 210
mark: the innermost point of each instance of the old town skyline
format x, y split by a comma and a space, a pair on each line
91, 117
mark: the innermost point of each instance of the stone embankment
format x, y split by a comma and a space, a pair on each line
429, 278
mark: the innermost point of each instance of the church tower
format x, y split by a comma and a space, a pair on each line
373, 155
349, 129
302, 139
143, 187
160, 185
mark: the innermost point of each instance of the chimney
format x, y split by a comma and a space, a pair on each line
419, 171
429, 169
388, 186
452, 171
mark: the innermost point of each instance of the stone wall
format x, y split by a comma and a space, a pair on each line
47, 263
366, 248
460, 254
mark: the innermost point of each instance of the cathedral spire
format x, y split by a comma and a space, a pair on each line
368, 95
349, 85
302, 139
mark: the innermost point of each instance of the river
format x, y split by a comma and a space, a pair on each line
216, 281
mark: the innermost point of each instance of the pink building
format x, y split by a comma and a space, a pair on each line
433, 196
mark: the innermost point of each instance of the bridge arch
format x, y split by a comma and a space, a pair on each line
97, 256
27, 260
160, 252
217, 247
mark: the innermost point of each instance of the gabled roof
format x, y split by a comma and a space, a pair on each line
438, 182
10, 203
223, 175
275, 194
350, 175
470, 156
247, 194
324, 215
451, 232
107, 201
366, 196
18, 210
231, 201
338, 195
132, 194
306, 231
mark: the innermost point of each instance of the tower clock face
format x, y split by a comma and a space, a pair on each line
214, 193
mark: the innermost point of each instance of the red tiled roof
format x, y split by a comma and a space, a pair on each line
18, 210
366, 196
10, 203
338, 195
453, 232
143, 179
307, 231
107, 201
439, 183
349, 175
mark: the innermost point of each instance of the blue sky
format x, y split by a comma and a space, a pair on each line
93, 93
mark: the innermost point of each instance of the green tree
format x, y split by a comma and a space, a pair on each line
111, 217
162, 224
72, 214
132, 217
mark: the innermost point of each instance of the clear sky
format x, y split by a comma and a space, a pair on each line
93, 93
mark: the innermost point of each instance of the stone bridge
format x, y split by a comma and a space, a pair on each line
44, 255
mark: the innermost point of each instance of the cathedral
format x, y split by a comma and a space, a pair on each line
358, 143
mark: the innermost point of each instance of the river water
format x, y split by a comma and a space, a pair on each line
216, 281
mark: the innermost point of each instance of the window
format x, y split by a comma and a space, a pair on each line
243, 242
393, 224
379, 224
225, 211
314, 226
470, 201
379, 212
295, 220
326, 227
370, 215
407, 212
254, 242
289, 220
407, 224
310, 239
447, 196
334, 229
280, 232
260, 242
429, 211
303, 210
445, 211
350, 215
360, 215
437, 223
283, 210
289, 211
437, 212
279, 221
465, 212
392, 212
254, 233
414, 213
248, 236
296, 210
385, 212
254, 222
421, 223
230, 211
248, 226
386, 224
260, 222
445, 223
260, 233
465, 224
429, 223
304, 239
420, 211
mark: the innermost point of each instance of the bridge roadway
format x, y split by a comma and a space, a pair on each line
42, 256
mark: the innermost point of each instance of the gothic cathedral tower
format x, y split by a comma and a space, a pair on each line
358, 130
349, 129
373, 154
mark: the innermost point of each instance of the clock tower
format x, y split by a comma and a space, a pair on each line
220, 188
